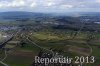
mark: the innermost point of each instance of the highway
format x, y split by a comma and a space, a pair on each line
4, 43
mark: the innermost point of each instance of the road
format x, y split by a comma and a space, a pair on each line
28, 38
39, 46
4, 43
3, 63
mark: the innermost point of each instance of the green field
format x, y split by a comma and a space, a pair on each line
60, 41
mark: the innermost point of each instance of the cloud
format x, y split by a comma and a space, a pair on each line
67, 6
98, 1
14, 3
50, 5
33, 4
17, 3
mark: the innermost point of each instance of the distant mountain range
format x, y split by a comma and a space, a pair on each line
20, 14
14, 15
71, 21
23, 14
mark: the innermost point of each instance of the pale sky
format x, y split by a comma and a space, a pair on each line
50, 5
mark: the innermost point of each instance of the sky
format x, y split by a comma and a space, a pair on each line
50, 5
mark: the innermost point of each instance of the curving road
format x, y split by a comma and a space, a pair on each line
3, 63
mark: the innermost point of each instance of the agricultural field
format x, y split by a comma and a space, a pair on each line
24, 35
63, 42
